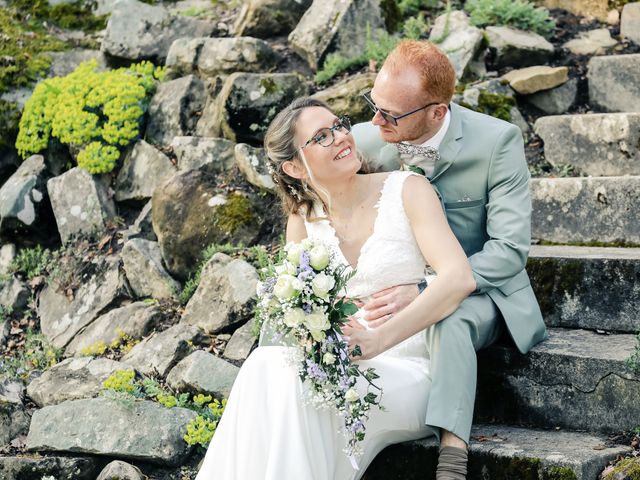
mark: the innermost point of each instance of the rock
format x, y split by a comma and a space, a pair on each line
345, 97
249, 101
614, 82
335, 26
225, 295
144, 269
143, 431
598, 9
14, 419
143, 169
576, 379
497, 450
118, 470
269, 18
630, 22
158, 353
137, 31
596, 144
592, 42
557, 100
14, 294
173, 109
456, 37
253, 162
24, 467
211, 155
495, 86
241, 343
587, 287
517, 48
72, 379
204, 373
63, 63
190, 212
533, 79
142, 226
81, 203
519, 121
7, 255
613, 17
5, 329
24, 206
61, 318
136, 320
585, 210
210, 57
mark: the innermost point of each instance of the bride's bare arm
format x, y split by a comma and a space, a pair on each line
441, 249
296, 231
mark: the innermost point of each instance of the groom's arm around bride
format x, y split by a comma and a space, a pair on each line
483, 179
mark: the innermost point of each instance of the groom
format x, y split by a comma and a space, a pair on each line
477, 165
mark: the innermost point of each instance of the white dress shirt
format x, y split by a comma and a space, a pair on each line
428, 164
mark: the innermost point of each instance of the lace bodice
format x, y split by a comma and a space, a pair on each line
389, 257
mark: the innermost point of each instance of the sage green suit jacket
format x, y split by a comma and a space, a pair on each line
483, 182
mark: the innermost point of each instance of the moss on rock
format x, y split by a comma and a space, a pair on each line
496, 105
235, 213
22, 51
560, 473
628, 469
75, 15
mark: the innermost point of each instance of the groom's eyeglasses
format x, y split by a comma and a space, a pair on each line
326, 136
392, 119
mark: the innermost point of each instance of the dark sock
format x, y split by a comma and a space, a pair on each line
452, 464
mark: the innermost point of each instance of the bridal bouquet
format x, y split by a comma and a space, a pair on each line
300, 297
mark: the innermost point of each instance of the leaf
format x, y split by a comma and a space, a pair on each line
348, 308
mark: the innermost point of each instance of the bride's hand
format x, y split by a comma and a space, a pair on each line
368, 340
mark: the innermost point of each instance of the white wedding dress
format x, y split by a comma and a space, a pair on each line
268, 432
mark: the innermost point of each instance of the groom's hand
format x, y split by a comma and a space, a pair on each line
386, 303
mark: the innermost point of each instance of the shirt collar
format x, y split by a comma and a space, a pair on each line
436, 140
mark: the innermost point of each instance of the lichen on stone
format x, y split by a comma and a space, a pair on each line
628, 468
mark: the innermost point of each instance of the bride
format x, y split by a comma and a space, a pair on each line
386, 226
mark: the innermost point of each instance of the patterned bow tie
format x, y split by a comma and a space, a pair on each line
418, 150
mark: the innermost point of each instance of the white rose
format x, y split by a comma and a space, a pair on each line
280, 269
317, 322
322, 284
307, 243
294, 317
351, 395
297, 284
284, 287
329, 358
319, 257
294, 252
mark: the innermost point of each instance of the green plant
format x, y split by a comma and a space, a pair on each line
633, 362
31, 261
97, 113
37, 354
122, 344
377, 47
77, 14
416, 27
413, 7
122, 385
519, 14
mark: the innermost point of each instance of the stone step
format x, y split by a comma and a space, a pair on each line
576, 379
587, 287
597, 144
586, 210
503, 452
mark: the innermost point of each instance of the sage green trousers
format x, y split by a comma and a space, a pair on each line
452, 345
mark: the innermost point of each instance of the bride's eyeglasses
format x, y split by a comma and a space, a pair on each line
326, 136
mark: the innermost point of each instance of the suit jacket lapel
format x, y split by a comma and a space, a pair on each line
450, 145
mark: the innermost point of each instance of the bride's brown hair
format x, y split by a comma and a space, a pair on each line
279, 142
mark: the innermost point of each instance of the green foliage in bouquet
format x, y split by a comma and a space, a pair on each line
94, 113
519, 14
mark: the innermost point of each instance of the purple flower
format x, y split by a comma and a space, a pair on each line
344, 384
306, 307
314, 371
267, 285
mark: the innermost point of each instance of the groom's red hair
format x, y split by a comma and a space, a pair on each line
437, 72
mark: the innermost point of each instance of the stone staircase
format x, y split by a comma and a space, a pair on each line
551, 414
